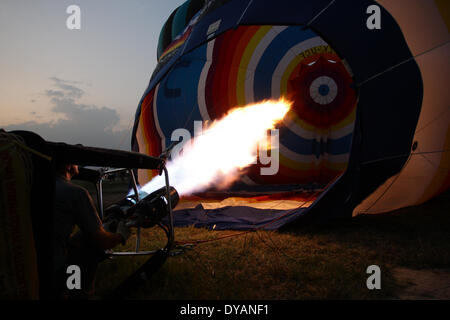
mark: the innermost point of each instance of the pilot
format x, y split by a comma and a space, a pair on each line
82, 246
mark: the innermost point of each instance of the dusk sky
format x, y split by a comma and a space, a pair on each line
77, 86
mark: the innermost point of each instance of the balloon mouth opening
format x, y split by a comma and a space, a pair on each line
315, 137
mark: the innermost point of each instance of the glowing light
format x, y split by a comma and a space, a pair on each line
217, 157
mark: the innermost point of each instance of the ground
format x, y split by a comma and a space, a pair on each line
411, 246
423, 284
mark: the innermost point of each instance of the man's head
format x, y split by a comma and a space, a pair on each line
68, 171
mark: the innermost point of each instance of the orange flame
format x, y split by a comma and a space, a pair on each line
226, 146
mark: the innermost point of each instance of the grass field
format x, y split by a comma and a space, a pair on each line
312, 262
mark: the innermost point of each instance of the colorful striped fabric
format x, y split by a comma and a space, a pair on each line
251, 64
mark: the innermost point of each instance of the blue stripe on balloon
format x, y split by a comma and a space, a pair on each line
177, 105
277, 49
312, 146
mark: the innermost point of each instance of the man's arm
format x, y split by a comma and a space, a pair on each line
90, 223
107, 240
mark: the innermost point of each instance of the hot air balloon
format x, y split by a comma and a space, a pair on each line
369, 122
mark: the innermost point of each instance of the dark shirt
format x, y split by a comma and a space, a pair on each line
73, 206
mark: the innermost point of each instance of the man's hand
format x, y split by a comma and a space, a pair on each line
124, 231
110, 225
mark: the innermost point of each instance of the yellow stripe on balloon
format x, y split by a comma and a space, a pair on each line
306, 126
295, 165
346, 121
325, 131
248, 53
307, 166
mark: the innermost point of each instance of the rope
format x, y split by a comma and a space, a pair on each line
389, 187
439, 116
435, 166
403, 155
318, 15
243, 13
401, 63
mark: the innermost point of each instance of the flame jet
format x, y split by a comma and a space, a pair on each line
227, 146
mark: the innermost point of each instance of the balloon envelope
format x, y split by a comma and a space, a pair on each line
370, 116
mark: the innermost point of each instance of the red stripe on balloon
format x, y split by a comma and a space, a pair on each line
151, 136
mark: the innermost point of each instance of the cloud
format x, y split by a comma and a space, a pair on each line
68, 89
89, 125
54, 93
